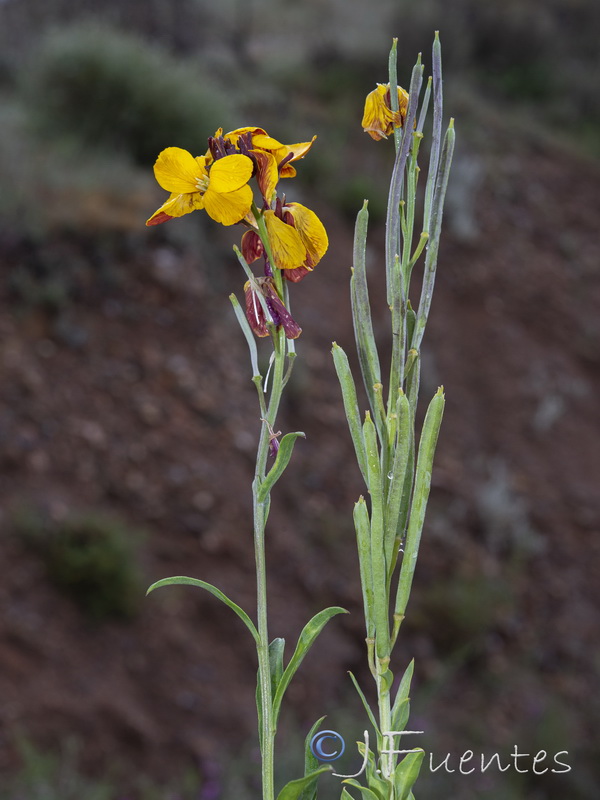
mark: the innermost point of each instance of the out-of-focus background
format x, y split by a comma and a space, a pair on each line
128, 422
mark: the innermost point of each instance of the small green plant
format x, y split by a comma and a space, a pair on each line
98, 86
91, 557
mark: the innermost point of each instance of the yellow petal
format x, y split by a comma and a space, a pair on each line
377, 116
177, 171
299, 150
311, 230
176, 206
265, 142
286, 244
233, 136
230, 173
231, 207
280, 151
287, 171
378, 119
267, 173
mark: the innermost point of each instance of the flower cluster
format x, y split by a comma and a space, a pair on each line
289, 237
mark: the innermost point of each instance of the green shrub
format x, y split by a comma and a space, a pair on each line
103, 87
91, 557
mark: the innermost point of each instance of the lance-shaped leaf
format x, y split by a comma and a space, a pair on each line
308, 635
344, 373
180, 580
376, 783
378, 562
276, 649
286, 447
407, 773
429, 435
362, 525
361, 309
246, 330
294, 789
366, 706
311, 763
367, 793
401, 707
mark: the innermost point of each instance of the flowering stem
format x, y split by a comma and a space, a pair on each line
261, 512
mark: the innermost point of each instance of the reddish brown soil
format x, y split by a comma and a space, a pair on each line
136, 399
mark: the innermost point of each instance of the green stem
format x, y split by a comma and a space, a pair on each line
261, 510
385, 725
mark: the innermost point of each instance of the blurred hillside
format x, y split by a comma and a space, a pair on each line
128, 421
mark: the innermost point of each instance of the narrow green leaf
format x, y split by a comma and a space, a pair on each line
308, 635
311, 763
401, 708
247, 331
276, 649
344, 373
366, 705
286, 448
181, 580
367, 793
378, 562
362, 526
407, 773
429, 435
345, 795
375, 783
252, 279
294, 789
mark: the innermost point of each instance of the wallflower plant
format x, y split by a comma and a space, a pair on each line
395, 463
289, 240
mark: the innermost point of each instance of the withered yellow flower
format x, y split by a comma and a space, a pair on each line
219, 188
279, 313
378, 119
297, 237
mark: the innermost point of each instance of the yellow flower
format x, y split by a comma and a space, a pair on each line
378, 119
281, 152
219, 188
297, 237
